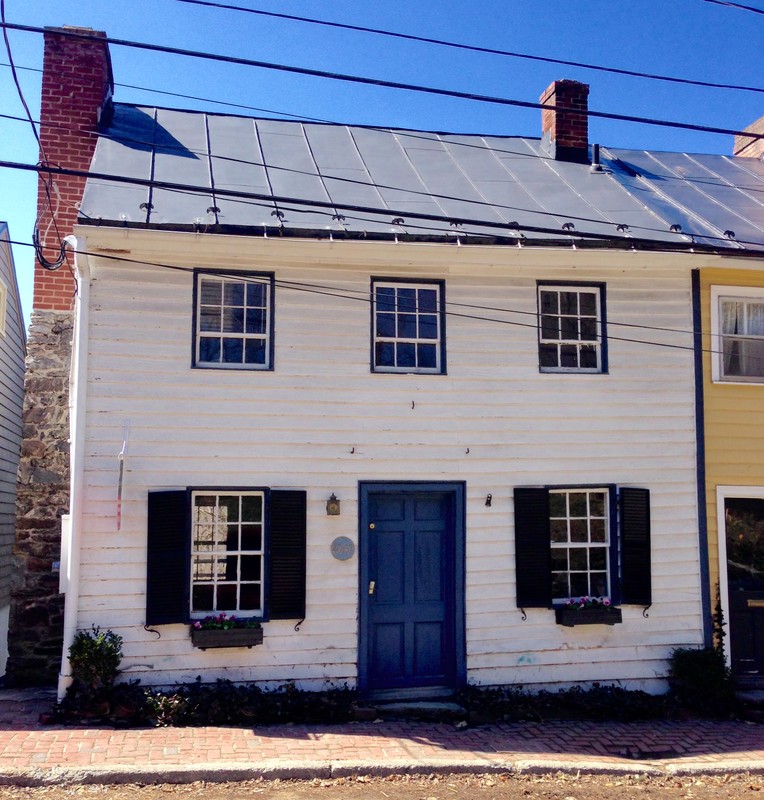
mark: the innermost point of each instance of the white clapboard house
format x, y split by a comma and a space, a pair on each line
399, 395
12, 353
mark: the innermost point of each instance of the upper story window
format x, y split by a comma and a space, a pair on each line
233, 321
571, 328
738, 327
408, 327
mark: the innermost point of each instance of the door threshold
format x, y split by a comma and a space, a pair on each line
411, 693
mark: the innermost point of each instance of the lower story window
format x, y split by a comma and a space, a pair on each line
580, 543
227, 553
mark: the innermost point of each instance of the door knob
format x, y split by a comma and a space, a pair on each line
372, 586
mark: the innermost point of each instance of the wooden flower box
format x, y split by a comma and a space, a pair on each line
233, 637
602, 615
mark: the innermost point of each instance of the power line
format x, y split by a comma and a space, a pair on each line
366, 297
510, 229
716, 2
476, 48
452, 93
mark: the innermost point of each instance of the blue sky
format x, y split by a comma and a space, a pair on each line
683, 38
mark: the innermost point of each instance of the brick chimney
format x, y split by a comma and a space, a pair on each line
565, 128
746, 146
76, 90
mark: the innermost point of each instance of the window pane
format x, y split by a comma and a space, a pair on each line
385, 354
428, 300
579, 530
233, 294
226, 597
406, 300
597, 504
252, 508
548, 356
203, 569
549, 303
589, 329
587, 304
597, 530
204, 537
599, 584
202, 598
386, 325
568, 302
406, 326
385, 298
233, 350
578, 504
256, 294
578, 559
229, 508
597, 558
209, 349
588, 356
251, 537
559, 559
559, 530
427, 356
428, 326
560, 587
406, 354
568, 356
211, 292
255, 352
550, 327
569, 328
209, 319
233, 320
579, 584
256, 320
250, 568
250, 597
558, 504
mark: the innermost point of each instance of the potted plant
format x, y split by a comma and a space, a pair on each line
587, 611
220, 630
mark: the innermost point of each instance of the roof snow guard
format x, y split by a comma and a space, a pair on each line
186, 170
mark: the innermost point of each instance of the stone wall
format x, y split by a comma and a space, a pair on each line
36, 623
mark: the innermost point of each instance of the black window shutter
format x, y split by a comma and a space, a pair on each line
167, 559
636, 583
533, 560
286, 585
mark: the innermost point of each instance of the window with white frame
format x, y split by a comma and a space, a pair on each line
233, 321
227, 553
738, 327
580, 543
407, 327
571, 328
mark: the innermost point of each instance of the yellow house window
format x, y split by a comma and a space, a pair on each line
739, 334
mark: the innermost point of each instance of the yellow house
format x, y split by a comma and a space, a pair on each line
732, 304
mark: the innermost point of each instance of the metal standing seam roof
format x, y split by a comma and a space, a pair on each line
231, 173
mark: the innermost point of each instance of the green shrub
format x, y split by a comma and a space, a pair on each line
95, 657
701, 681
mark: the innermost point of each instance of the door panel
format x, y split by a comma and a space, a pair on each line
408, 605
744, 523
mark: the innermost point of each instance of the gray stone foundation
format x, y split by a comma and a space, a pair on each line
36, 622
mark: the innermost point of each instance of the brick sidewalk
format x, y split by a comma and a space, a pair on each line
32, 753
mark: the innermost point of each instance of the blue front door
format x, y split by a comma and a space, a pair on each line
409, 629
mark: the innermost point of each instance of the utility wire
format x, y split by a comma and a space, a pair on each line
510, 229
384, 83
367, 298
716, 2
475, 48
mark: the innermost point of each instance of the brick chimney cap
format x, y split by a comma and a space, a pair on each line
76, 29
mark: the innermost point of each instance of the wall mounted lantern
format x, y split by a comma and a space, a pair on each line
333, 506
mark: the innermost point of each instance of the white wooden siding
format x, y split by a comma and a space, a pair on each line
12, 346
322, 422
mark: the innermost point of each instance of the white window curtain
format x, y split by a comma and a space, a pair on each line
743, 338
